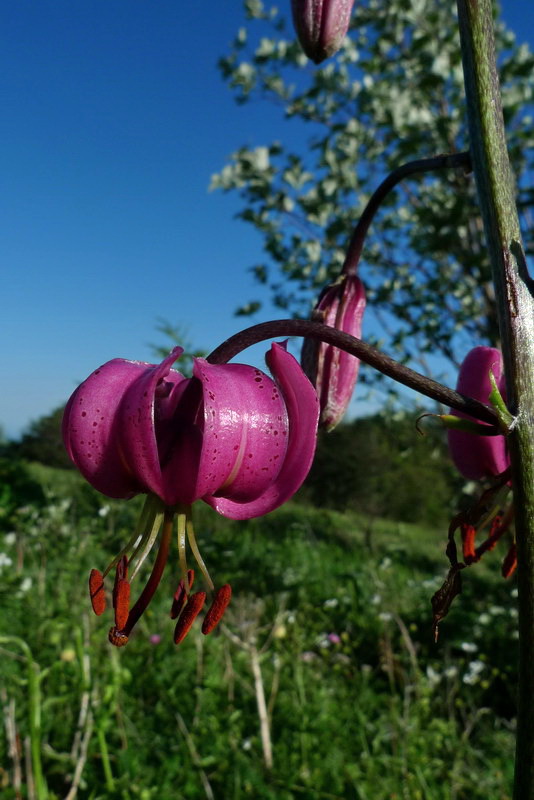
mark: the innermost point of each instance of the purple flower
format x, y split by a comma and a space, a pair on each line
230, 435
333, 371
475, 456
321, 25
334, 638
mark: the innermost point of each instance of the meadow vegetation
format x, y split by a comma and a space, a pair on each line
323, 682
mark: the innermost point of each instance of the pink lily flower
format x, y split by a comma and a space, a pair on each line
230, 435
321, 25
475, 456
333, 371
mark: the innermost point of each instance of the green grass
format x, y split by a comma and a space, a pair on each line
384, 713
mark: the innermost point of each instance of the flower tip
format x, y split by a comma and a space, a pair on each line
321, 26
116, 637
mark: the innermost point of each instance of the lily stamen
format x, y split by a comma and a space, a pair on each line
216, 610
96, 592
196, 552
180, 596
188, 616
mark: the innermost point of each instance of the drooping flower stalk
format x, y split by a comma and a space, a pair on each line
365, 352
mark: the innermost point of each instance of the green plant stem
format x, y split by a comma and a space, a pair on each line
34, 706
104, 755
515, 301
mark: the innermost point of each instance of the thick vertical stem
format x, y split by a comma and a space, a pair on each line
515, 299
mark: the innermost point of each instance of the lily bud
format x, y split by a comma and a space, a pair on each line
475, 456
321, 25
332, 371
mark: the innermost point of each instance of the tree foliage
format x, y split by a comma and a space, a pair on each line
380, 467
394, 93
42, 442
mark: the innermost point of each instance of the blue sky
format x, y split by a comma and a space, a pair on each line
114, 119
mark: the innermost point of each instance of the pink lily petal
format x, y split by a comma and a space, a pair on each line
91, 427
475, 456
244, 431
148, 406
332, 371
302, 407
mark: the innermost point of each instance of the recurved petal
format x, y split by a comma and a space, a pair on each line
146, 410
302, 409
475, 456
242, 429
91, 426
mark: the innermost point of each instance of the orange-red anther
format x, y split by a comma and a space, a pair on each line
96, 592
122, 602
117, 638
217, 608
495, 532
121, 574
180, 595
188, 616
468, 543
510, 562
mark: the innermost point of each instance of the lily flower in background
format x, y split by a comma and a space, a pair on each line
230, 435
478, 457
332, 371
321, 25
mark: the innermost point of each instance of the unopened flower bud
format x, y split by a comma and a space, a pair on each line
321, 25
476, 456
332, 371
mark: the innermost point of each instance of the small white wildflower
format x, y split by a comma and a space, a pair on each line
5, 560
484, 619
26, 585
469, 647
513, 593
472, 675
451, 672
385, 563
103, 511
496, 610
385, 616
433, 677
10, 538
376, 599
246, 744
332, 602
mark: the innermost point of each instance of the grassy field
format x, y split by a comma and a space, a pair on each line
323, 682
